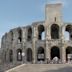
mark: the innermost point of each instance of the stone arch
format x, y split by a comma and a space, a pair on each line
41, 32
19, 35
19, 54
29, 57
55, 31
41, 54
55, 52
10, 55
29, 34
68, 30
68, 53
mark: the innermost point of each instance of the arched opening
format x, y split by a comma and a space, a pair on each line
19, 55
68, 30
10, 55
66, 35
29, 55
41, 54
55, 31
41, 32
68, 53
55, 52
29, 37
19, 35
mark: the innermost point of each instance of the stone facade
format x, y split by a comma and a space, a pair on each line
41, 41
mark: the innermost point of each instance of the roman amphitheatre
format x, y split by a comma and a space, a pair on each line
39, 47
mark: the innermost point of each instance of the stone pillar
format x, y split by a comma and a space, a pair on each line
48, 34
14, 57
14, 47
63, 51
23, 44
47, 51
48, 37
63, 31
34, 37
7, 55
60, 32
63, 55
3, 56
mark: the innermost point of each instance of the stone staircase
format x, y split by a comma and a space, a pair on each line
42, 68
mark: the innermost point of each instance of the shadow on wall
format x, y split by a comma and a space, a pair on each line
66, 69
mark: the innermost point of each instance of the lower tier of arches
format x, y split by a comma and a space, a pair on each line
56, 54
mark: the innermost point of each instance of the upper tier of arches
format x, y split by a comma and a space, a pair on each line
41, 32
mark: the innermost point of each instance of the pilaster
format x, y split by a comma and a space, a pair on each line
63, 55
23, 44
35, 34
47, 51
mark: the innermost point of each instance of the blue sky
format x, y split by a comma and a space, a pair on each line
14, 13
